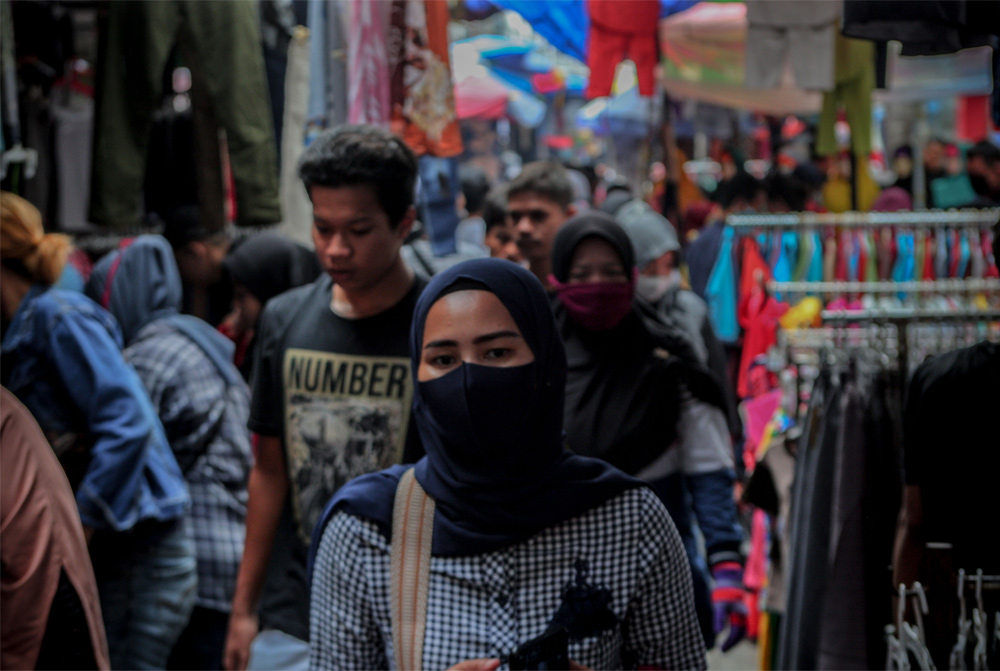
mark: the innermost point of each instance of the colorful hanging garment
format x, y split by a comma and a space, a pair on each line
367, 65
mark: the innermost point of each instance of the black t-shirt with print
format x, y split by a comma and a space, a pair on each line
338, 393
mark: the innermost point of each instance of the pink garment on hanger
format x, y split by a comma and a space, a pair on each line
367, 65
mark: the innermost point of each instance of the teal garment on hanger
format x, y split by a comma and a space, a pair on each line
815, 273
965, 253
854, 259
903, 270
720, 292
787, 254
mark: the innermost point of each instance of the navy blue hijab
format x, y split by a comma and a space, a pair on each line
488, 499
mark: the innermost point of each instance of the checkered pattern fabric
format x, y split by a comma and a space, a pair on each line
195, 406
486, 605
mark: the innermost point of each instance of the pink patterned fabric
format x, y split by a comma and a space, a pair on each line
367, 65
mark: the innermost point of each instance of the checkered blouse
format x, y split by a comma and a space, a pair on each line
486, 605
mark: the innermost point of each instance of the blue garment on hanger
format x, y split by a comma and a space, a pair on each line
720, 293
854, 259
965, 254
905, 260
787, 254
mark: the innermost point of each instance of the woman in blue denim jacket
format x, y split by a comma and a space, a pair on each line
62, 358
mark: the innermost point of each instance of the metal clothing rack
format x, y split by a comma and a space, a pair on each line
967, 218
900, 317
949, 286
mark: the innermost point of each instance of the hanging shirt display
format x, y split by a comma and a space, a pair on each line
795, 33
621, 29
367, 69
221, 43
421, 91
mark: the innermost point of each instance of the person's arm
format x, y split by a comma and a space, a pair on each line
661, 624
268, 488
120, 420
343, 630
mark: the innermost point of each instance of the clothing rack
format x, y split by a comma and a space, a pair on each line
950, 286
967, 218
900, 317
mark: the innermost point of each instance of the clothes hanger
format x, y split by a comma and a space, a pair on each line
979, 626
956, 659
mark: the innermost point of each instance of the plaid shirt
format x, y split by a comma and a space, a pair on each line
486, 605
196, 407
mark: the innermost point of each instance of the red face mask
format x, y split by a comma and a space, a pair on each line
595, 306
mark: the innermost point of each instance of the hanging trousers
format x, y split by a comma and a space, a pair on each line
220, 42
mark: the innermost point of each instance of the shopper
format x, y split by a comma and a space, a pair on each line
260, 268
634, 402
499, 233
62, 358
50, 614
331, 389
203, 403
526, 536
539, 201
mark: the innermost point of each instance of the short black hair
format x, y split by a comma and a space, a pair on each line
787, 189
495, 207
989, 152
360, 155
475, 186
546, 179
742, 186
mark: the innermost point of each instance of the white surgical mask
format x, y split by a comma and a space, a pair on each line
655, 287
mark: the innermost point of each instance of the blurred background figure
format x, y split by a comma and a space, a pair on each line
50, 614
261, 267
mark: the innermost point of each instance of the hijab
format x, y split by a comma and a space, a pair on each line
624, 385
490, 494
139, 283
268, 264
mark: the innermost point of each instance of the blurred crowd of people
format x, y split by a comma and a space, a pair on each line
204, 434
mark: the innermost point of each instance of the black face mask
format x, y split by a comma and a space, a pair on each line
979, 185
490, 416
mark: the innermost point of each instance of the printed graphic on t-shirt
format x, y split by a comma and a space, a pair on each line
345, 416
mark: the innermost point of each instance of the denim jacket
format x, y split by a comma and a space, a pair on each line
62, 358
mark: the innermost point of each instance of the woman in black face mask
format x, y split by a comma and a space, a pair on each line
636, 399
527, 538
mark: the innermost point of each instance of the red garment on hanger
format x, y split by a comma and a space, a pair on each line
757, 313
621, 29
929, 251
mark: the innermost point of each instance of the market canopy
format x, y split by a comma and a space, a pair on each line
480, 93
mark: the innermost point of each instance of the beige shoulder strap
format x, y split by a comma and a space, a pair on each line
412, 528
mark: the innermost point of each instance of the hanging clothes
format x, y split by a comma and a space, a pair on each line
295, 204
221, 43
791, 33
421, 91
926, 28
368, 99
855, 80
622, 29
327, 64
844, 504
720, 292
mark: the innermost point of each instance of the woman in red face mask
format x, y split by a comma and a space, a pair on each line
636, 398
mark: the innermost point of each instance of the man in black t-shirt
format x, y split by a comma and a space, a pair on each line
331, 384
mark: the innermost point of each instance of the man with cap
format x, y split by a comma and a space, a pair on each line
657, 253
706, 492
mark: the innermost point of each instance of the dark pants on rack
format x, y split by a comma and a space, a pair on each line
220, 41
